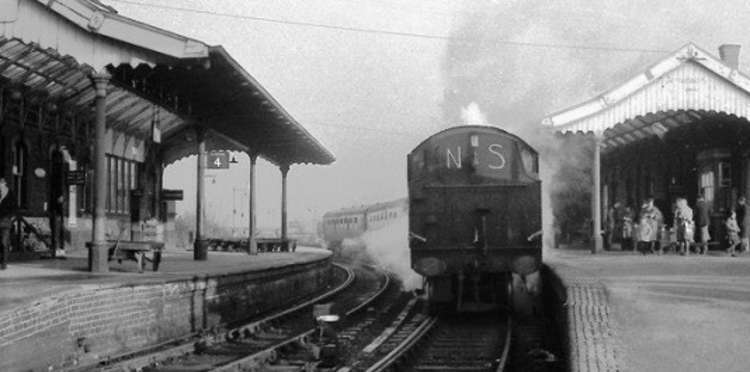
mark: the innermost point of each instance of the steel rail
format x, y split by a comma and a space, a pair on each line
269, 354
190, 347
255, 325
424, 327
376, 295
509, 327
503, 362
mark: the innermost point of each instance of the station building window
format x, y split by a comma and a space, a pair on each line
20, 179
725, 174
123, 177
707, 183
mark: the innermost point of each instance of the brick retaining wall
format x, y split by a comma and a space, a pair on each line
91, 323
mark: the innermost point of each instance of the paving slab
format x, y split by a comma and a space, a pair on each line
630, 312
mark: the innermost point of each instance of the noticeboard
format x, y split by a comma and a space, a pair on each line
217, 160
75, 177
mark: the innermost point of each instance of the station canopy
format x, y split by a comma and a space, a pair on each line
161, 82
689, 86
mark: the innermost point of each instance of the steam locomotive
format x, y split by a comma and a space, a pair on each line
474, 215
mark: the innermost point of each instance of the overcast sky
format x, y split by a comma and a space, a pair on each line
371, 97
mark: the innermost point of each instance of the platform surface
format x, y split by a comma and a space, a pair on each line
659, 313
23, 282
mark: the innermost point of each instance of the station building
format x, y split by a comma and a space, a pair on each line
94, 105
676, 128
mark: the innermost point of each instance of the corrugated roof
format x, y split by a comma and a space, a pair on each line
65, 81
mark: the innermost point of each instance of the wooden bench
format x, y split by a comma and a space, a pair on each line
276, 245
136, 251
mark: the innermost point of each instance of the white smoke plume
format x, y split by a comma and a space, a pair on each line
472, 115
389, 247
517, 86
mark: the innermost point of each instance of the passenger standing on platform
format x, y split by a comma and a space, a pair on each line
7, 210
612, 215
701, 208
627, 228
741, 216
649, 224
683, 225
733, 233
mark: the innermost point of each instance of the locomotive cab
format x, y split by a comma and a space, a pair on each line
475, 202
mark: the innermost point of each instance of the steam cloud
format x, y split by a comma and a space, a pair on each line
389, 247
516, 86
472, 115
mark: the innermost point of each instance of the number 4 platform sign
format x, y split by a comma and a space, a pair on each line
217, 160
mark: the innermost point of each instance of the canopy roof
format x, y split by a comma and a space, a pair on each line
687, 86
158, 78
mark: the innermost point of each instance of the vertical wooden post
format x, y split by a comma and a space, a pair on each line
158, 186
253, 247
596, 197
284, 171
200, 249
745, 223
605, 206
98, 250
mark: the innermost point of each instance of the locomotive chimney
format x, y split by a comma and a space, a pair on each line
730, 55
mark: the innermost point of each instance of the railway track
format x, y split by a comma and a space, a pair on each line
463, 342
255, 344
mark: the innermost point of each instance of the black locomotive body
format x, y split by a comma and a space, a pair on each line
474, 214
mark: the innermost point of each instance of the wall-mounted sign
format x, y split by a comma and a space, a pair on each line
75, 177
217, 160
167, 194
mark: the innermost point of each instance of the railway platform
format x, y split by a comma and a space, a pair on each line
25, 282
629, 312
55, 312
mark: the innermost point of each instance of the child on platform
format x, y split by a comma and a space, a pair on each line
733, 233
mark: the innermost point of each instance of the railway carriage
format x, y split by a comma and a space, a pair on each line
474, 214
343, 224
351, 223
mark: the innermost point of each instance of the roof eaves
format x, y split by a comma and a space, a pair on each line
106, 22
326, 157
688, 52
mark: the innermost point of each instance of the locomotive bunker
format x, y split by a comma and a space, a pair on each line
474, 213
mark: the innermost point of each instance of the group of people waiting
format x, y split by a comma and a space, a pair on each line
649, 234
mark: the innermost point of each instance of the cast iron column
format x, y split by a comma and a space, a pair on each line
596, 197
252, 246
200, 249
284, 171
98, 255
